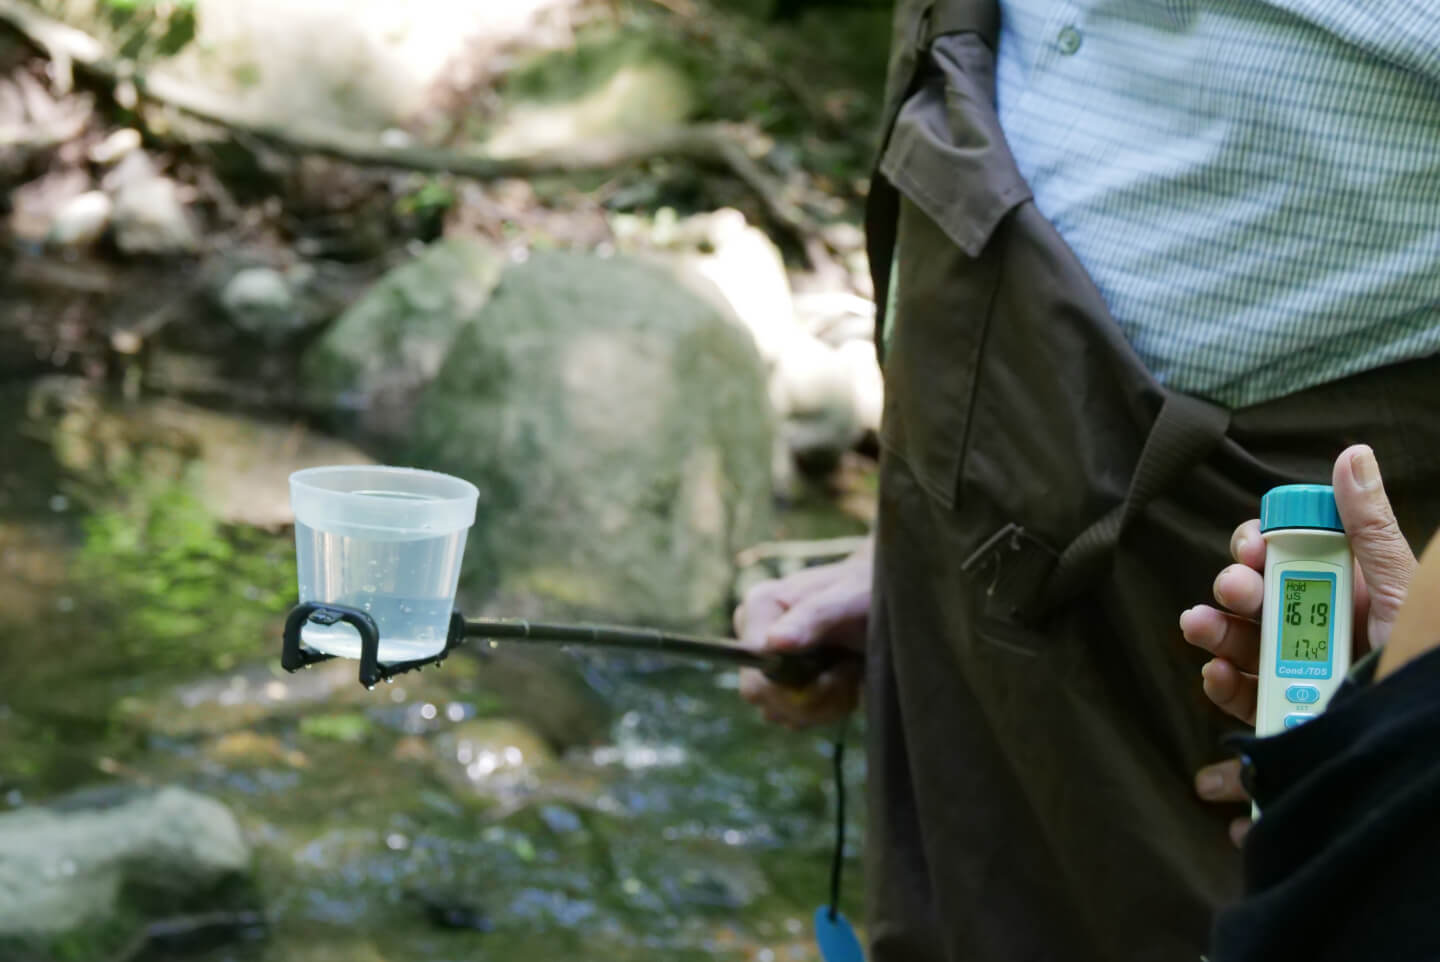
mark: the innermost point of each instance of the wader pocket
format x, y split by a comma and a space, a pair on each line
949, 162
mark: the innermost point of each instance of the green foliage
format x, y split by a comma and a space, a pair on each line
246, 75
176, 585
425, 207
345, 727
432, 196
571, 72
98, 941
150, 28
813, 84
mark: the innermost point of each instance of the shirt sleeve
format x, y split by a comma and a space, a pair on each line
1344, 862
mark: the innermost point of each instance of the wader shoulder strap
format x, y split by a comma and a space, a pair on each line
1026, 582
916, 29
962, 16
1185, 431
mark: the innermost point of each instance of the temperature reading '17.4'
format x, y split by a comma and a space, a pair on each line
1305, 629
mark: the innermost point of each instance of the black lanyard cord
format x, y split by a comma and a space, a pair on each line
837, 857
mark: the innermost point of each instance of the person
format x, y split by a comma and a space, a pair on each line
1135, 263
1341, 866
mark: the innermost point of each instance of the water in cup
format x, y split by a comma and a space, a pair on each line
407, 586
388, 541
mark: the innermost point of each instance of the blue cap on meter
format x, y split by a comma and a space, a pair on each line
1300, 506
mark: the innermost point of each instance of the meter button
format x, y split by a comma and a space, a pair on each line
1295, 719
1302, 694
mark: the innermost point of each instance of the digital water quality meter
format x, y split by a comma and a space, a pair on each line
1306, 620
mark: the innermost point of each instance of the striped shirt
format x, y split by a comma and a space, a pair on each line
1254, 185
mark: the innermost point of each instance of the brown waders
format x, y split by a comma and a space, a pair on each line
1047, 511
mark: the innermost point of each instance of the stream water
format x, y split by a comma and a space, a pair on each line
511, 806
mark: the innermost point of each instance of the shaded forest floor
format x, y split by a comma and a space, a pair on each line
803, 94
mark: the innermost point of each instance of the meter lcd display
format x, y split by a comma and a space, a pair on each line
1305, 622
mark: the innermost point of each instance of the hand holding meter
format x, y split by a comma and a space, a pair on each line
1309, 600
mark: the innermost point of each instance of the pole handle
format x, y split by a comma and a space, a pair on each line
800, 669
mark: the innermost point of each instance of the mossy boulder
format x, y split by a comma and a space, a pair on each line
378, 354
618, 428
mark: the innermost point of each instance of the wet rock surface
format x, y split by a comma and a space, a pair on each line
63, 869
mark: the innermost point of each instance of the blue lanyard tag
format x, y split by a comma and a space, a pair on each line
836, 938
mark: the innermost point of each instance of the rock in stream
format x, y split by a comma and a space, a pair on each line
63, 870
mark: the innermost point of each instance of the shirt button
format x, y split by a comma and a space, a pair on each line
1069, 40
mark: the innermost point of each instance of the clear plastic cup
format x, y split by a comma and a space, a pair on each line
387, 541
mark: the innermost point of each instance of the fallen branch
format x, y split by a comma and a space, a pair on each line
78, 278
724, 145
